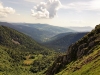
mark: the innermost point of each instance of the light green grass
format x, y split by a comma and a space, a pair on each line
90, 68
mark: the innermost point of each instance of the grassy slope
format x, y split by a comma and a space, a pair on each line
88, 65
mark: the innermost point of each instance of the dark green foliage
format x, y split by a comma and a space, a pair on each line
42, 63
32, 57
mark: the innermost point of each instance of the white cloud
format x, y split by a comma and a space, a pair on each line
4, 11
34, 1
87, 5
46, 9
18, 14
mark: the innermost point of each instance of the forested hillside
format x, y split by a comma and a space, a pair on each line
21, 55
14, 39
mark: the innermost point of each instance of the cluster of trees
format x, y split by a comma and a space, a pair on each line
42, 63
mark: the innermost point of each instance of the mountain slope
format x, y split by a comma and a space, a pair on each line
39, 32
62, 41
36, 34
80, 57
61, 35
14, 39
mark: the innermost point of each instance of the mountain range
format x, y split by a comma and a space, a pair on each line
39, 32
43, 32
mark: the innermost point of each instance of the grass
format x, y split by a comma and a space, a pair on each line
91, 67
29, 61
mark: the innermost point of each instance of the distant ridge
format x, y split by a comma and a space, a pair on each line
81, 29
62, 41
39, 32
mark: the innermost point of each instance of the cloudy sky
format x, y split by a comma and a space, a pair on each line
63, 13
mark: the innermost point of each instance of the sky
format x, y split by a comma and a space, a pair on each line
64, 13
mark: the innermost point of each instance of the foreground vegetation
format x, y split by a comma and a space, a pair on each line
21, 55
23, 63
